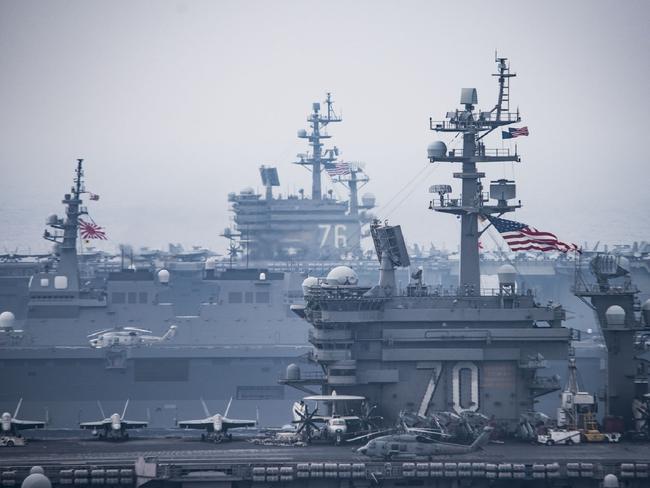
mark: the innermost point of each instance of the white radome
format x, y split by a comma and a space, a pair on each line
437, 149
342, 276
507, 274
615, 315
163, 276
308, 283
7, 319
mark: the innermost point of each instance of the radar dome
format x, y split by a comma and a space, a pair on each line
247, 191
37, 469
302, 133
308, 283
437, 149
610, 481
163, 276
51, 219
368, 200
615, 315
293, 372
507, 274
342, 275
36, 480
7, 319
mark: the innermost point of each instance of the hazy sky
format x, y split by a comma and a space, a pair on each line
174, 104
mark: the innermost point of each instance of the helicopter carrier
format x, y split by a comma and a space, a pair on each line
233, 322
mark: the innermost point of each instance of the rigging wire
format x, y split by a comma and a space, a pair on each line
410, 192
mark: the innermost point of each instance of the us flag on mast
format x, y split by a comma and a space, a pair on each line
514, 132
337, 169
521, 237
90, 230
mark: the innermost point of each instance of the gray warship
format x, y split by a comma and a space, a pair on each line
428, 348
232, 317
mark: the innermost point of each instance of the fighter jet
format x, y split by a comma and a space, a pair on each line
114, 427
217, 425
416, 446
127, 336
11, 425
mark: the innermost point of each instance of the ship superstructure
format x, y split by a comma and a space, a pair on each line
429, 348
302, 227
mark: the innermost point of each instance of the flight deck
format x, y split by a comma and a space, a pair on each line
184, 460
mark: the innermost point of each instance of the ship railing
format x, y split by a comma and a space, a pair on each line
483, 151
449, 201
596, 289
482, 121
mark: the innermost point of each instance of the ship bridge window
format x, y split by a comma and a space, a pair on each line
248, 297
342, 372
133, 297
262, 297
118, 297
234, 297
142, 297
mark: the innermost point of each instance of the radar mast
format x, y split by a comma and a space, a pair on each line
66, 243
318, 157
474, 126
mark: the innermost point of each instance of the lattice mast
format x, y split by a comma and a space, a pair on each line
318, 156
474, 126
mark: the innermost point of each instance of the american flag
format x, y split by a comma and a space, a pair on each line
514, 132
337, 169
90, 230
521, 237
93, 196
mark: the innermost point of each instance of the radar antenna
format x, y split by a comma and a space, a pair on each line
473, 204
318, 157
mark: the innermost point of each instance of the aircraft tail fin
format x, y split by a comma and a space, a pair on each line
299, 411
205, 408
170, 333
228, 408
20, 402
101, 409
482, 439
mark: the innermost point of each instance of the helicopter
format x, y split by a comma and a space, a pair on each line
127, 336
418, 446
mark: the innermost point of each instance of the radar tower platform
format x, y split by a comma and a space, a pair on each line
474, 126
